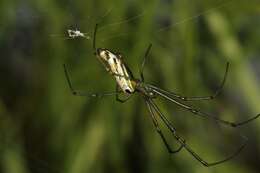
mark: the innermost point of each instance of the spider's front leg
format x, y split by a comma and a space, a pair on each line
143, 63
159, 131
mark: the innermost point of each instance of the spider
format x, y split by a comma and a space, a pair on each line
126, 83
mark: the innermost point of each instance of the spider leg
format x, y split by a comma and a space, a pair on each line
80, 93
143, 63
184, 98
94, 39
187, 147
159, 131
203, 114
119, 99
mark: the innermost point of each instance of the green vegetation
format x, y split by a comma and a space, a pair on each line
44, 128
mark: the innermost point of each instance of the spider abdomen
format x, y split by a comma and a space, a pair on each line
115, 65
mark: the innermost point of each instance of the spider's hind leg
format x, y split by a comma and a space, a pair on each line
83, 93
196, 98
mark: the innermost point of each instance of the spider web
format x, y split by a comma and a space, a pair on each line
43, 165
195, 17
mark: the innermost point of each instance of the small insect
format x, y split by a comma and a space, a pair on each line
73, 34
126, 83
76, 33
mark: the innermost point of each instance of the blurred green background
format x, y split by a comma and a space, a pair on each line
44, 128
